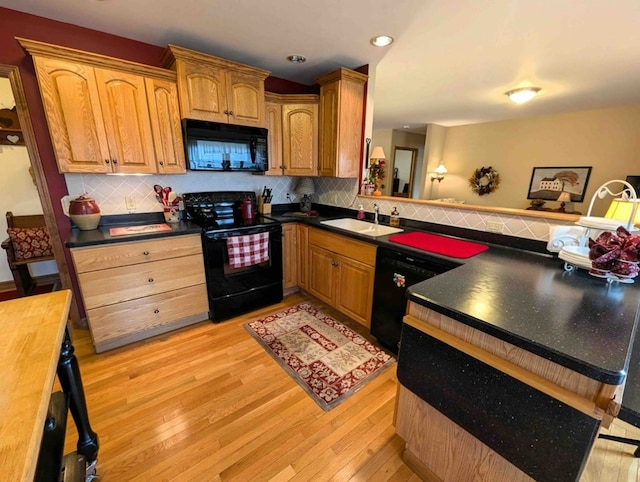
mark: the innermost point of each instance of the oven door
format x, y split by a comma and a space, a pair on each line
233, 291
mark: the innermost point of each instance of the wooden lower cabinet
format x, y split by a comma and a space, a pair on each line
303, 255
138, 289
341, 273
289, 257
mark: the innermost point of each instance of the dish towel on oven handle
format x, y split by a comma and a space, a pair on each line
248, 250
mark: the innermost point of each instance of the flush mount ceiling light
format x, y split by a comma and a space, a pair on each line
523, 94
297, 59
382, 40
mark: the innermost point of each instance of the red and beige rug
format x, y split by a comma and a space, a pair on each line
330, 361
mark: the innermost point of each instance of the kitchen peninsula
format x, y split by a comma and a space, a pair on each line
508, 364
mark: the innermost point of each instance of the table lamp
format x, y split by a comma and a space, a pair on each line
306, 188
625, 210
564, 198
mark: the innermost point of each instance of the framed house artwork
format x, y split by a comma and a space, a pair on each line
549, 182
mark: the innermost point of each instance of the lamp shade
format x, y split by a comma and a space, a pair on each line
564, 197
305, 186
623, 210
377, 153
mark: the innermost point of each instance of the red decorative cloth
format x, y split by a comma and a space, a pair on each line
30, 242
248, 250
454, 248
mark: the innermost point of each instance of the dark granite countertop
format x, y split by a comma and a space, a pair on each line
522, 296
527, 299
101, 235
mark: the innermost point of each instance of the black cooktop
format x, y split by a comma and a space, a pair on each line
221, 210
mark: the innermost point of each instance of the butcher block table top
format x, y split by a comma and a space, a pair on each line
31, 334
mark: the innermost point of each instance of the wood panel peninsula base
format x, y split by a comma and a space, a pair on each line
473, 407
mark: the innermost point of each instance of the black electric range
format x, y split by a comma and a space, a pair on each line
233, 289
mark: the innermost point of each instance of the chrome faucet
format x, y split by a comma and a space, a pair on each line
376, 211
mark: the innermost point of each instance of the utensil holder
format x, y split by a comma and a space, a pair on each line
264, 208
172, 214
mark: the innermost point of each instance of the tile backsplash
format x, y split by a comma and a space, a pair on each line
110, 192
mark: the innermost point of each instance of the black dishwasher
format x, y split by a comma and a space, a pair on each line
395, 271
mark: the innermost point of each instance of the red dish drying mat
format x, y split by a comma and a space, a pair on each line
433, 243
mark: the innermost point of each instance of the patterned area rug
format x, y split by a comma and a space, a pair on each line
330, 361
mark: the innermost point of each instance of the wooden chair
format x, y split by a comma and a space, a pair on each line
22, 278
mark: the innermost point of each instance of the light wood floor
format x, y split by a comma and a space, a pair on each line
207, 403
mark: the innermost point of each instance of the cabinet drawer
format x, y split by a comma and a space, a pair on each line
351, 248
115, 285
123, 323
135, 252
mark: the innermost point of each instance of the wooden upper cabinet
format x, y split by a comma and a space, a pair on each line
300, 139
164, 111
126, 119
216, 89
106, 114
292, 121
341, 121
72, 107
273, 116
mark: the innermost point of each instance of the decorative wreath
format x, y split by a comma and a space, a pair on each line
484, 180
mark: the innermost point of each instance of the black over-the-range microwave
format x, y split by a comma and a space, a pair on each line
213, 146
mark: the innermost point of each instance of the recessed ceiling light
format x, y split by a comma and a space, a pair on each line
297, 59
406, 127
382, 40
523, 94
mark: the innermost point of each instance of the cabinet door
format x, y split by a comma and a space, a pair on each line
274, 126
322, 273
329, 98
164, 113
203, 92
126, 118
74, 116
289, 256
354, 290
300, 139
303, 256
246, 99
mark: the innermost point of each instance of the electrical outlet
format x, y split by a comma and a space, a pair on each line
289, 198
494, 226
130, 202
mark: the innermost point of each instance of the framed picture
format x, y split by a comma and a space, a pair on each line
549, 182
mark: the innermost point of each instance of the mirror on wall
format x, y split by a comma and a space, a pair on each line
403, 169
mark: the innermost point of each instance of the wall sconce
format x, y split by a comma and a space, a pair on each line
439, 173
563, 199
523, 94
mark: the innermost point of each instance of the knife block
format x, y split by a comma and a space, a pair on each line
263, 208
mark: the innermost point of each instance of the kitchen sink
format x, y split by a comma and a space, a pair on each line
361, 227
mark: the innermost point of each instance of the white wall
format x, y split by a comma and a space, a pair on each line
18, 192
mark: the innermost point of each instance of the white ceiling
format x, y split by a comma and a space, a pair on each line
451, 63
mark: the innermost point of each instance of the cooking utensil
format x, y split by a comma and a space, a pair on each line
172, 197
165, 194
158, 189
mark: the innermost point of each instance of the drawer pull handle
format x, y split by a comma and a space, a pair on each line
146, 253
334, 263
150, 280
156, 311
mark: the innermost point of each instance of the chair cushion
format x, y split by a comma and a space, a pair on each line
30, 242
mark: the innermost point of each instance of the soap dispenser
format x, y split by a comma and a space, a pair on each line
361, 213
394, 220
